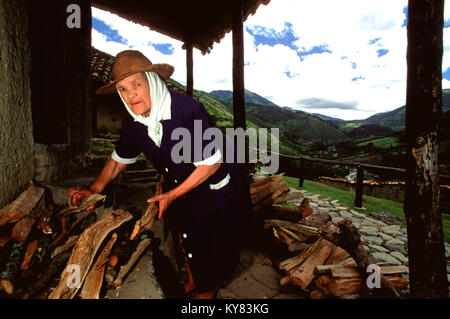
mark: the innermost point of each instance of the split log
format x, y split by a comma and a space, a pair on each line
339, 255
299, 228
94, 279
134, 257
85, 203
147, 219
22, 229
304, 275
84, 251
290, 264
22, 205
29, 253
345, 235
344, 286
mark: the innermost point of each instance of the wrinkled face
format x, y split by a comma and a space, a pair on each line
135, 91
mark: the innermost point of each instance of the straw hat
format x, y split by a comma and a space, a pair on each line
129, 62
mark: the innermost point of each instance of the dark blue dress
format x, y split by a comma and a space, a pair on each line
211, 220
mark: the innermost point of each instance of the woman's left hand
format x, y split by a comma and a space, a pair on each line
164, 200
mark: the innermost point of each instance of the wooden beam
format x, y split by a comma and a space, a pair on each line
423, 112
189, 69
238, 66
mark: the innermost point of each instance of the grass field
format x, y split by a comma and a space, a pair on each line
371, 204
382, 142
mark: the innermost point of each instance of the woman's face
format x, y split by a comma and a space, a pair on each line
135, 91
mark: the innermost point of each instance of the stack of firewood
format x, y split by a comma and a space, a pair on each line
325, 269
267, 192
61, 251
326, 259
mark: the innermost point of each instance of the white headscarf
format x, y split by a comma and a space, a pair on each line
160, 107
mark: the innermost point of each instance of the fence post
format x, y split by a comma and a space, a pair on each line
359, 186
301, 177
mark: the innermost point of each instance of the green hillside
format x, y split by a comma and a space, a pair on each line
395, 119
297, 126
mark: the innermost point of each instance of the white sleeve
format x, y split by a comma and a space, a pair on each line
210, 160
121, 160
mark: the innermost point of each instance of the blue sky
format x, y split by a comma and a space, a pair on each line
342, 59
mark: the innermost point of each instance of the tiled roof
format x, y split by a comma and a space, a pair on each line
101, 64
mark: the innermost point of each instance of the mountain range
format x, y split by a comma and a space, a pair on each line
394, 120
299, 129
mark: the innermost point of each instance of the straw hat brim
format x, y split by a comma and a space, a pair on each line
162, 69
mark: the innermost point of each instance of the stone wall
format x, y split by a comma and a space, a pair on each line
388, 190
16, 131
394, 191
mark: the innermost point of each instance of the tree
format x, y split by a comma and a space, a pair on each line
423, 111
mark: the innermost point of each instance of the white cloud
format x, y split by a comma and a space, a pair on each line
345, 27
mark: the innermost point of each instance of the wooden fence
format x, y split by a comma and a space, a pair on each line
360, 167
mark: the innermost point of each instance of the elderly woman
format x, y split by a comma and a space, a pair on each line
208, 198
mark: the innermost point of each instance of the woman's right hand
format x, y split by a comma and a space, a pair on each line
78, 194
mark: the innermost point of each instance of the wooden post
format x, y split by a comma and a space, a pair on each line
190, 69
427, 264
301, 178
359, 186
238, 66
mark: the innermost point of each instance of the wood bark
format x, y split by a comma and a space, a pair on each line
147, 219
423, 112
94, 279
84, 251
134, 257
22, 205
304, 274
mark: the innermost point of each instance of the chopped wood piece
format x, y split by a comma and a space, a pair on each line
11, 217
22, 229
290, 264
29, 253
147, 219
134, 257
337, 256
304, 274
299, 228
85, 203
94, 279
22, 205
84, 251
345, 286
